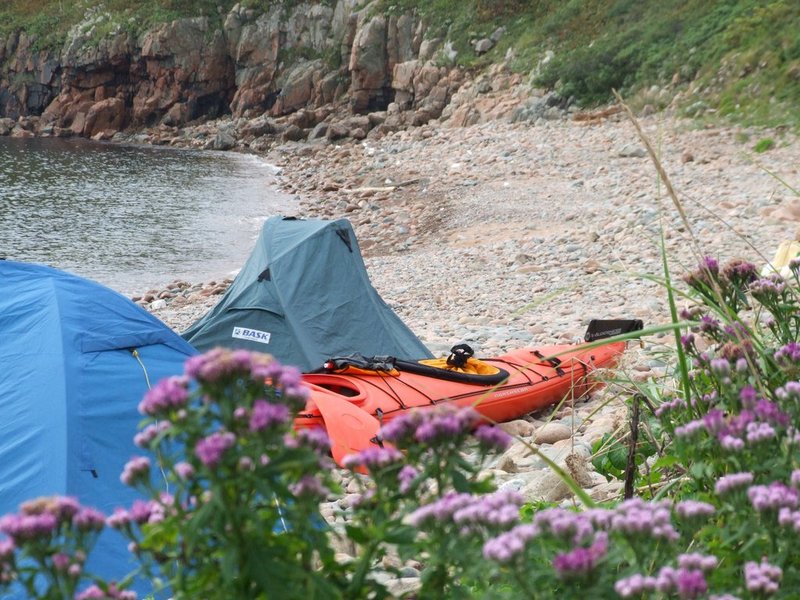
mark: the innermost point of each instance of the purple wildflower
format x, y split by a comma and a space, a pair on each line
635, 585
577, 527
89, 519
217, 363
714, 421
145, 437
445, 424
580, 561
119, 519
372, 458
721, 368
265, 414
759, 432
406, 478
498, 509
670, 405
61, 561
749, 397
168, 394
210, 449
687, 341
289, 377
789, 392
794, 481
709, 325
739, 272
316, 439
441, 509
689, 429
768, 289
694, 509
737, 425
135, 470
731, 443
28, 527
772, 497
507, 546
309, 486
637, 517
184, 471
762, 578
492, 437
771, 413
695, 560
401, 428
691, 313
142, 510
727, 483
427, 426
94, 592
707, 272
690, 584
788, 355
789, 518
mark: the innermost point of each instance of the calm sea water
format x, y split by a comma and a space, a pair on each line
132, 217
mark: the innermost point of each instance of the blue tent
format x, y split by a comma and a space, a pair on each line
70, 385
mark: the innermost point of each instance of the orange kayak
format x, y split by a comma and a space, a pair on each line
360, 397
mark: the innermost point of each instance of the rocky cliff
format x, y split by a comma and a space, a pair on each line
314, 71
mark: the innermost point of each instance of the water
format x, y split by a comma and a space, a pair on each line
132, 217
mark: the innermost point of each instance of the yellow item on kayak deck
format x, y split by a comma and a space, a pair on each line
473, 366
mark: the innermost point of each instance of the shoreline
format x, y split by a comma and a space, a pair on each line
533, 231
515, 233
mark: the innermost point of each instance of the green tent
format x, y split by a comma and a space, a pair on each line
304, 296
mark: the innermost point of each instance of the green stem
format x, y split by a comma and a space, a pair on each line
365, 560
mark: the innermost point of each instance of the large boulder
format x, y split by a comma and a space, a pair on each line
299, 87
108, 115
368, 65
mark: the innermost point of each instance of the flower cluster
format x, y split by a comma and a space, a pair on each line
220, 364
687, 583
112, 592
772, 497
728, 483
170, 394
469, 512
373, 458
581, 561
509, 545
267, 414
55, 534
136, 469
211, 448
492, 438
430, 426
762, 577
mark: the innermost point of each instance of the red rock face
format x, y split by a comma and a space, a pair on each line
258, 64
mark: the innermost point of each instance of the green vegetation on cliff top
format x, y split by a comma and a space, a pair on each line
738, 58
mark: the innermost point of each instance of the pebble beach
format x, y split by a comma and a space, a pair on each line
504, 235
